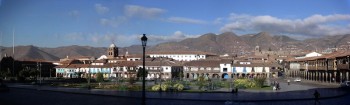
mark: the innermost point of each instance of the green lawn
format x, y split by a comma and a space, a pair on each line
263, 88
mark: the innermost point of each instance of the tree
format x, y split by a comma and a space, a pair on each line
34, 73
99, 77
140, 73
181, 75
131, 80
201, 82
23, 74
5, 73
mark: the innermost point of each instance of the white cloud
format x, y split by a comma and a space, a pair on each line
314, 25
118, 39
185, 20
114, 22
175, 37
101, 9
218, 21
140, 11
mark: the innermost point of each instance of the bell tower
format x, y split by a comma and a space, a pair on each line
112, 51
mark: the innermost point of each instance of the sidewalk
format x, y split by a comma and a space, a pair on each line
241, 96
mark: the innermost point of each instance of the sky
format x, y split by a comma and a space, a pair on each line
98, 23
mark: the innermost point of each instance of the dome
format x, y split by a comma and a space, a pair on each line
112, 45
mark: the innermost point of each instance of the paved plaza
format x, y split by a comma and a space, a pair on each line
294, 91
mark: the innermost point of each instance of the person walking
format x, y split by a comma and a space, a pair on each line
288, 82
317, 97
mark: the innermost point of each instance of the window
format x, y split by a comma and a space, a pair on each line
225, 70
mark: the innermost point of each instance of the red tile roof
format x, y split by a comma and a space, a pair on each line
78, 66
204, 63
181, 52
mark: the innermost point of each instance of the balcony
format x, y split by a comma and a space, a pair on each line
343, 66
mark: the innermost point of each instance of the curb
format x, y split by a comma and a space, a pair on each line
222, 100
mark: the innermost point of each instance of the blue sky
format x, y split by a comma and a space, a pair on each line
53, 23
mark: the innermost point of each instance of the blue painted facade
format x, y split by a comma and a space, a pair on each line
100, 70
234, 70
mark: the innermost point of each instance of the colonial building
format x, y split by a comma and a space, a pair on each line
206, 68
181, 56
167, 65
250, 69
333, 67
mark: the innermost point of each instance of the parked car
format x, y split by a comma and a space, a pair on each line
297, 80
345, 84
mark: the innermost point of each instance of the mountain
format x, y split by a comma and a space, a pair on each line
29, 53
232, 44
225, 43
339, 41
267, 41
74, 50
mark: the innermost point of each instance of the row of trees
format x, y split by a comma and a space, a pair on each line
24, 69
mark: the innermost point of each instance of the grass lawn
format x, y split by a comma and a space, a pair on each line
263, 88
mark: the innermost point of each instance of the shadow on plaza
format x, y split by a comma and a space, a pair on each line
246, 96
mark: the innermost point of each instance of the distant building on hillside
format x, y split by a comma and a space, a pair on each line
181, 55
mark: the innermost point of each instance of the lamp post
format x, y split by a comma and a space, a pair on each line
144, 41
160, 75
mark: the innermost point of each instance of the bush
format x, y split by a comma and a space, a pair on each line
99, 77
259, 82
122, 87
179, 87
156, 88
131, 80
134, 88
164, 87
201, 82
244, 83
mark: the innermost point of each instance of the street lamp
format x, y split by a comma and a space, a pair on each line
144, 41
160, 75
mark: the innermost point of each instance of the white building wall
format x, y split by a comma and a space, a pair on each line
166, 69
239, 69
258, 69
249, 69
267, 69
180, 57
225, 65
294, 66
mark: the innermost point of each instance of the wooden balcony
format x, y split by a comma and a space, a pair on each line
321, 68
312, 68
343, 66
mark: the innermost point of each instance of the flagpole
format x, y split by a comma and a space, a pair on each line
0, 47
13, 52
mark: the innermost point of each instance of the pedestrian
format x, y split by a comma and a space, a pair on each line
278, 86
236, 90
317, 96
288, 81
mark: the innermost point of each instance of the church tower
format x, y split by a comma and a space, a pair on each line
112, 51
